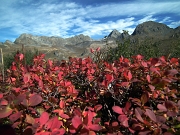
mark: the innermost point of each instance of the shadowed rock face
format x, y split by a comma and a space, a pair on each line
79, 46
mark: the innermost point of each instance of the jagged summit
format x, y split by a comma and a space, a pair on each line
114, 34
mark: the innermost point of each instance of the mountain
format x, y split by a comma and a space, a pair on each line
78, 46
28, 39
116, 35
155, 33
153, 29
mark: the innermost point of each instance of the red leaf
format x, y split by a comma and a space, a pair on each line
15, 116
5, 111
127, 106
148, 78
64, 116
91, 50
151, 115
115, 124
139, 57
144, 64
90, 116
109, 77
137, 127
178, 118
138, 116
96, 120
3, 102
144, 98
77, 112
60, 131
67, 83
60, 75
117, 109
13, 79
144, 132
53, 123
35, 100
62, 104
21, 56
13, 68
16, 89
151, 87
98, 107
26, 78
172, 72
161, 107
154, 61
92, 133
76, 121
169, 105
41, 83
178, 103
25, 102
50, 62
147, 123
95, 127
152, 69
129, 75
174, 61
44, 118
44, 133
123, 119
1, 95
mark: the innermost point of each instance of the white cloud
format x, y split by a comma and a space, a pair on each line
166, 19
69, 18
146, 18
174, 24
130, 9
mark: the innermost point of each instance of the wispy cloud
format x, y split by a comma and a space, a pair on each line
53, 18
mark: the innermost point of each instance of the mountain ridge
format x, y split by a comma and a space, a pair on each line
79, 45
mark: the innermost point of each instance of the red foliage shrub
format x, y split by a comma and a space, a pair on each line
80, 96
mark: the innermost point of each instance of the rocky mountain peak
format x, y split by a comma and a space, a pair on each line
152, 28
114, 34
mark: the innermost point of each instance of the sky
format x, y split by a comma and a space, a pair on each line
95, 18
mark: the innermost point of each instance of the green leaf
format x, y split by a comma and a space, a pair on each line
177, 126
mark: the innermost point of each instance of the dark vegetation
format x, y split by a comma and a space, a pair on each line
29, 55
146, 48
115, 92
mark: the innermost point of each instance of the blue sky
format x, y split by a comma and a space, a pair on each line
96, 18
